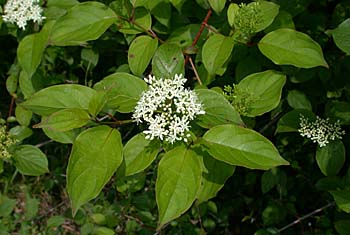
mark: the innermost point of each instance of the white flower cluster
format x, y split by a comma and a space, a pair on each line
320, 131
168, 108
21, 11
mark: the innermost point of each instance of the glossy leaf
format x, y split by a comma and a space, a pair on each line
65, 120
122, 90
342, 199
298, 100
268, 12
58, 97
66, 137
290, 47
341, 36
140, 53
139, 153
178, 181
167, 61
217, 5
216, 51
95, 156
266, 88
217, 110
31, 49
242, 147
331, 157
83, 22
29, 160
214, 175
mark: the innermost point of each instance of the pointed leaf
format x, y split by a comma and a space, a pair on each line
178, 181
290, 121
341, 36
95, 156
266, 88
342, 199
214, 175
217, 5
66, 137
29, 160
298, 100
83, 22
242, 147
290, 47
217, 110
140, 53
331, 157
123, 91
65, 120
138, 154
58, 97
216, 51
167, 61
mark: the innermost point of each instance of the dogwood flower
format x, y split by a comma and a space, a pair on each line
320, 131
168, 108
20, 11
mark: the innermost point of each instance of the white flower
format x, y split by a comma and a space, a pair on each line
6, 142
20, 11
167, 107
320, 131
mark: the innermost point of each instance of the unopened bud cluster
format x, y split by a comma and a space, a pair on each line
241, 99
246, 20
20, 11
320, 131
6, 142
167, 107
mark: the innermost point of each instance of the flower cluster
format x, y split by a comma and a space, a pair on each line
21, 11
320, 131
6, 142
168, 108
240, 98
246, 20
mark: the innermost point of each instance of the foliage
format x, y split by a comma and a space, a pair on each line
230, 149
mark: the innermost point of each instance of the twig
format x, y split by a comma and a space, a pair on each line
306, 216
195, 71
43, 143
203, 25
11, 106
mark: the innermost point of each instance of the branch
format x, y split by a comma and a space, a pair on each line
306, 216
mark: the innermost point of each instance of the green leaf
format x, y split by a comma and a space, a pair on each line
298, 100
184, 36
216, 51
290, 121
142, 20
214, 175
268, 11
138, 154
167, 61
339, 110
12, 83
217, 110
23, 116
231, 13
123, 91
26, 85
341, 36
95, 156
161, 10
97, 103
177, 4
283, 20
178, 181
272, 178
266, 89
217, 5
6, 205
342, 227
342, 199
20, 132
331, 157
65, 120
140, 53
290, 47
242, 147
58, 97
31, 49
66, 137
83, 22
29, 160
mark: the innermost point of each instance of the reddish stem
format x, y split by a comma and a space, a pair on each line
11, 106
